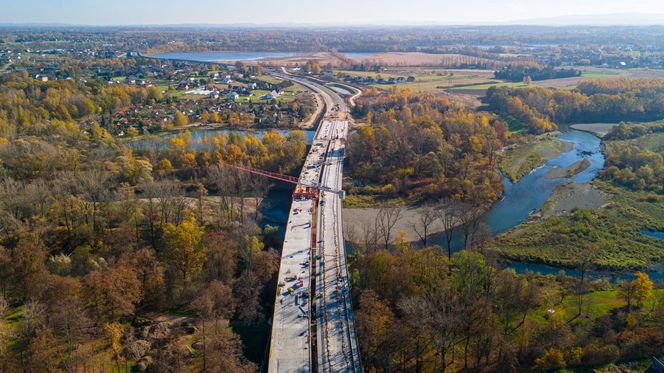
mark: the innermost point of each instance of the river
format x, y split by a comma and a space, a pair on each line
530, 192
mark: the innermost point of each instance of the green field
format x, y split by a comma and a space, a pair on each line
427, 80
484, 87
596, 304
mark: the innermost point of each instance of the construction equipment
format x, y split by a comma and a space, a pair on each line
302, 190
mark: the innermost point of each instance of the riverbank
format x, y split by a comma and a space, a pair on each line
569, 196
598, 129
614, 231
569, 171
521, 159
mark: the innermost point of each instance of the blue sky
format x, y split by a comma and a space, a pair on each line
122, 12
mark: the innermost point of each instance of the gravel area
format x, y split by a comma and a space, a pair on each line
569, 171
599, 129
572, 195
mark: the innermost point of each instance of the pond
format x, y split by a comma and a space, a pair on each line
224, 56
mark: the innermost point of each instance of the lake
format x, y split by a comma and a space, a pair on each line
226, 56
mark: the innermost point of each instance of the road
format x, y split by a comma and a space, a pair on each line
316, 334
337, 343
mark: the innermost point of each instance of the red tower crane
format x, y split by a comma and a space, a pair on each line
302, 190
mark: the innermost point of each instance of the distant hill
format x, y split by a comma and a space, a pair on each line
624, 19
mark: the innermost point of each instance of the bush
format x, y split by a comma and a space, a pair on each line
596, 354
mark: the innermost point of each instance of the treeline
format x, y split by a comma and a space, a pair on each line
419, 312
604, 100
419, 147
630, 131
520, 73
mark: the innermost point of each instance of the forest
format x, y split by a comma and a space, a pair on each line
114, 258
420, 312
420, 147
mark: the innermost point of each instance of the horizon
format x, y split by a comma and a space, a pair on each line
299, 13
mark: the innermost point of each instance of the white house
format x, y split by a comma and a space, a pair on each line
272, 95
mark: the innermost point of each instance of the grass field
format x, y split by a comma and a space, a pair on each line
596, 304
427, 80
615, 231
497, 83
598, 74
269, 79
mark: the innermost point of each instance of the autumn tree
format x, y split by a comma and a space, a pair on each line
113, 292
182, 248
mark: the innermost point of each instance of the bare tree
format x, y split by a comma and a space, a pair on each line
586, 262
426, 217
165, 204
369, 237
470, 217
259, 187
222, 180
93, 186
350, 235
449, 219
386, 219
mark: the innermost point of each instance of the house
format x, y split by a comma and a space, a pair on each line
130, 80
227, 80
233, 96
41, 78
272, 95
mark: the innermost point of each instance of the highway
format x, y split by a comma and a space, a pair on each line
337, 351
313, 324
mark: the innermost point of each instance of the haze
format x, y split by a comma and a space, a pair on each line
340, 12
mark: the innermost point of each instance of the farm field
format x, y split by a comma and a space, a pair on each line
427, 80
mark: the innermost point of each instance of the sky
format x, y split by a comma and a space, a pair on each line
334, 12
